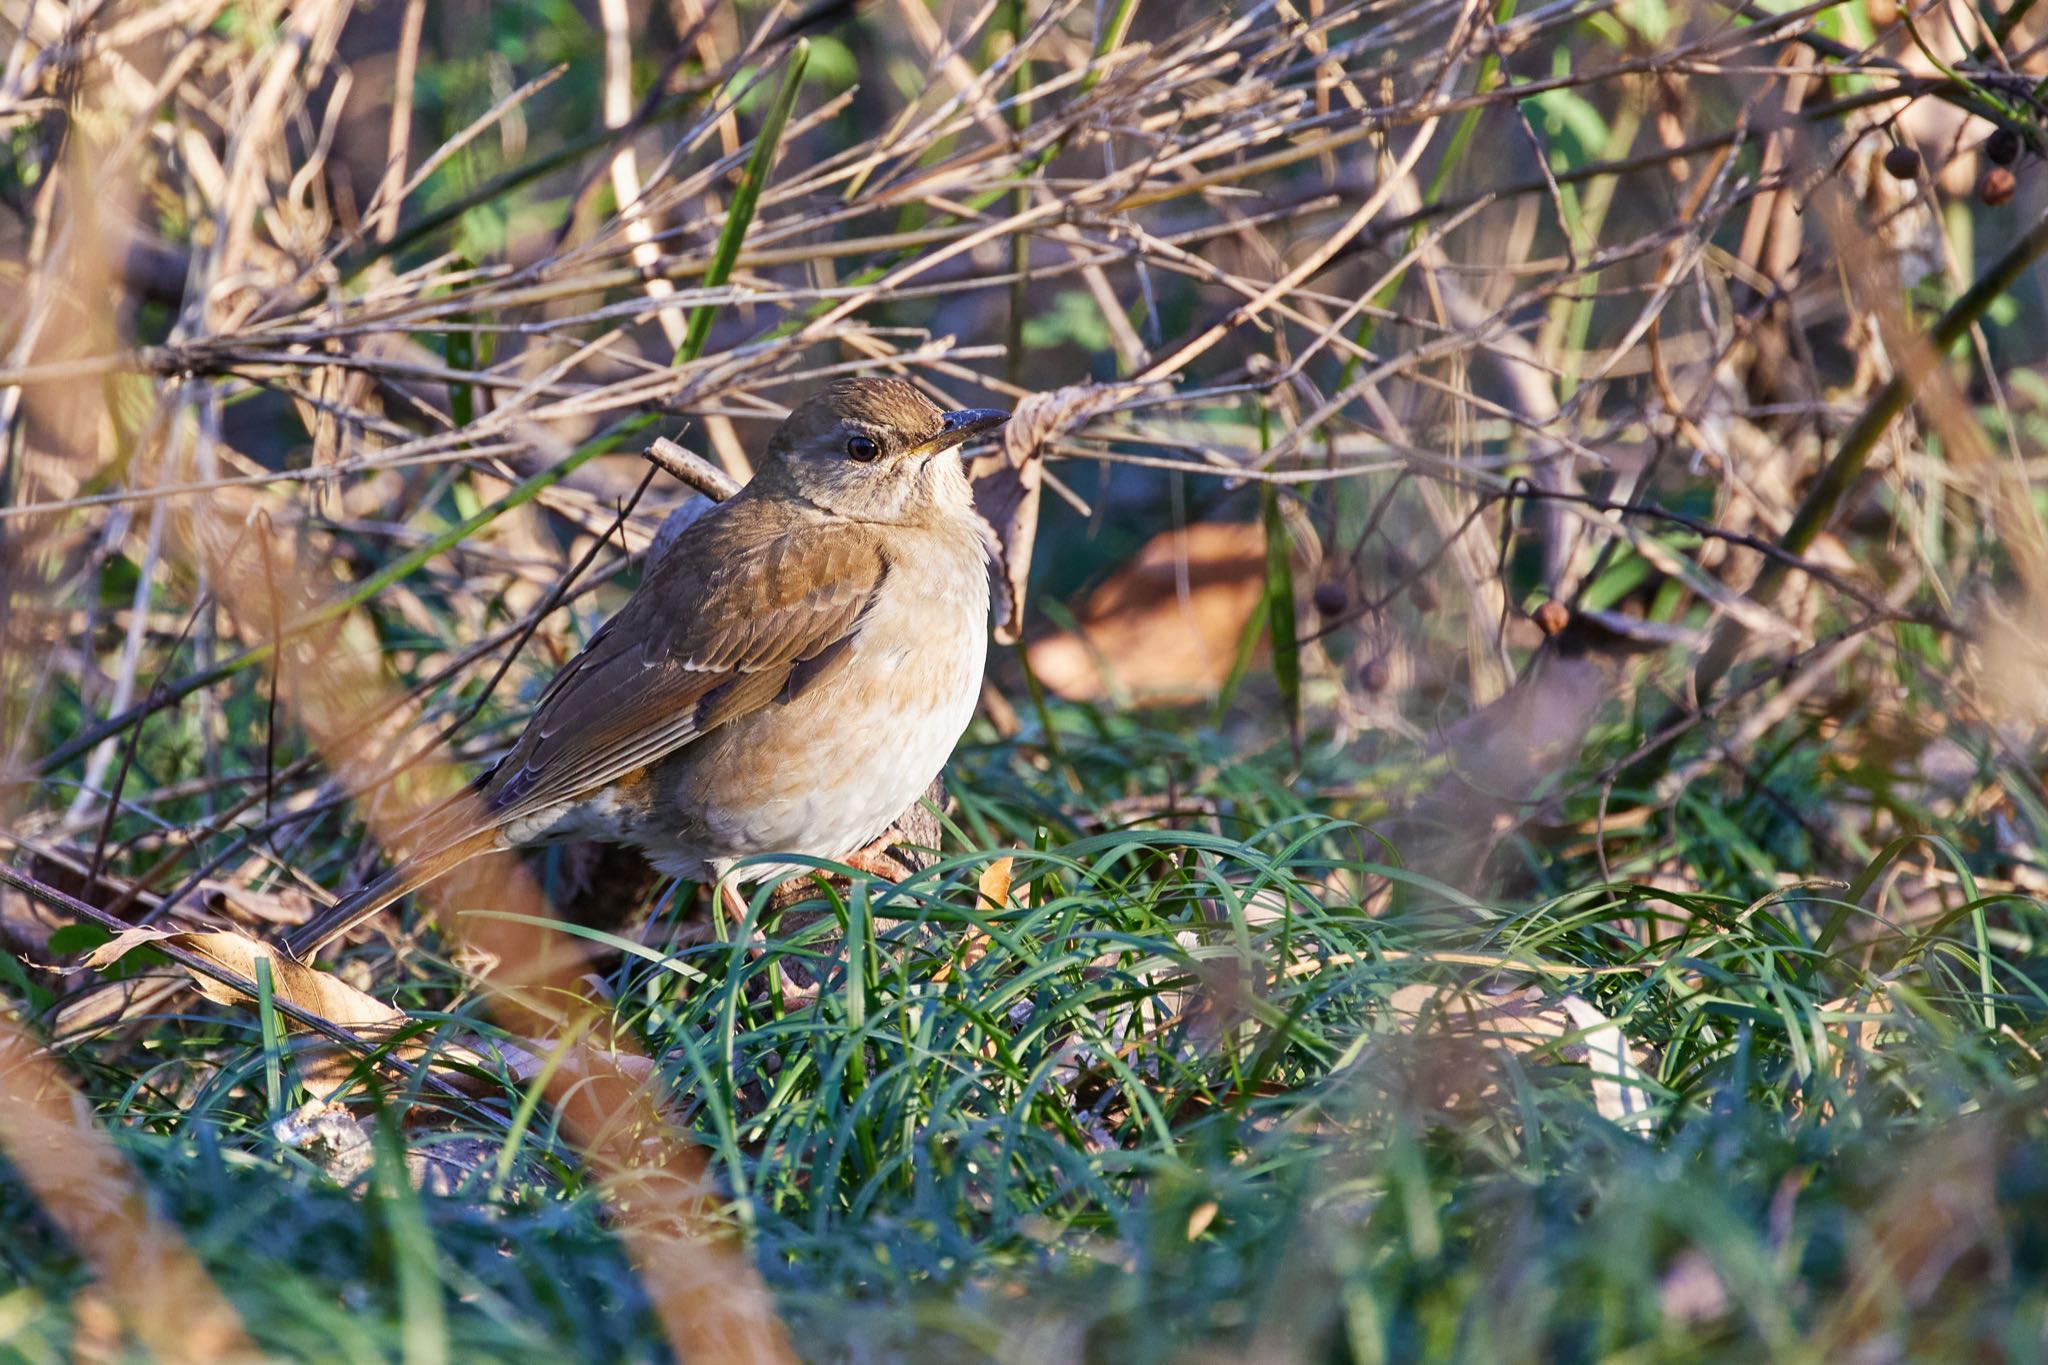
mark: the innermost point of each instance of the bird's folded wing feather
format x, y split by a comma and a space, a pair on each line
729, 624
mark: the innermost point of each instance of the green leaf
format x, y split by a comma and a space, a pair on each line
745, 197
1568, 114
833, 64
1073, 317
1280, 613
76, 938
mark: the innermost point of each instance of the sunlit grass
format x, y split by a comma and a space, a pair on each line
1162, 1097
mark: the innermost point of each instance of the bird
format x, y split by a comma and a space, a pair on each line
787, 678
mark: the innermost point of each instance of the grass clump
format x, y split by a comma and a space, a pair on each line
1177, 1092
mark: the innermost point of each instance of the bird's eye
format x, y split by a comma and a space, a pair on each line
861, 448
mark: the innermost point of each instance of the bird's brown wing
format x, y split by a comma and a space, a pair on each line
754, 605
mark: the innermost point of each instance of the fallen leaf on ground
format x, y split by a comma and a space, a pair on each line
994, 883
992, 890
1165, 626
327, 1066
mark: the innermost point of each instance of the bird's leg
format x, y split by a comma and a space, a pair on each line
800, 990
735, 908
877, 861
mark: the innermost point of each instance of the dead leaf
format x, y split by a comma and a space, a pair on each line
289, 905
994, 883
307, 988
1165, 626
326, 1067
993, 890
1620, 1090
1007, 484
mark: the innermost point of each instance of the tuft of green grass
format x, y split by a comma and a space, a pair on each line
1175, 1096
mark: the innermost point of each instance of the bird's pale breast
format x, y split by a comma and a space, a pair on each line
826, 772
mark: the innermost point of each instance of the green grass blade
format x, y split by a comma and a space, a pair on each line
415, 1262
1280, 613
273, 1040
745, 197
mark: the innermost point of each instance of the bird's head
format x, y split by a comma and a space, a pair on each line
876, 450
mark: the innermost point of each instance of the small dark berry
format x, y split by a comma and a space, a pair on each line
1902, 163
1372, 675
1997, 186
1331, 597
2003, 146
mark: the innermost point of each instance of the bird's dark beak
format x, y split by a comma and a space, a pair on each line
957, 428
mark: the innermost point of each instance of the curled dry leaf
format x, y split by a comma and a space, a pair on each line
1007, 483
326, 1067
306, 987
1165, 626
290, 905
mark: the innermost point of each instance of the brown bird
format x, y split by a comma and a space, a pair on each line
787, 679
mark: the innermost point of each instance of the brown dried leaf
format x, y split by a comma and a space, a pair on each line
295, 983
289, 905
1006, 489
994, 883
1165, 627
993, 890
325, 1068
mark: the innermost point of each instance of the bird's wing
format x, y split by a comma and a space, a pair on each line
753, 607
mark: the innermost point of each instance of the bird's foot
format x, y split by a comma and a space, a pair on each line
877, 861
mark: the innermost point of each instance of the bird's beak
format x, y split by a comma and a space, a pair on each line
960, 427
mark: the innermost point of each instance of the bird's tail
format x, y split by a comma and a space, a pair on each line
400, 882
